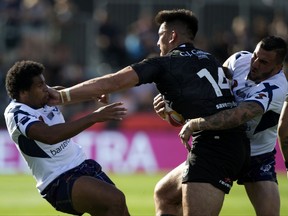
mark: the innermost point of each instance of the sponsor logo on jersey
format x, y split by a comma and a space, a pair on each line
50, 115
260, 96
200, 54
60, 148
226, 105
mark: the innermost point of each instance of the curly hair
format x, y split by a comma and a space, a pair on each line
183, 16
20, 77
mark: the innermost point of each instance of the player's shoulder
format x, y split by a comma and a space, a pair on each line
238, 60
280, 81
14, 107
276, 84
241, 56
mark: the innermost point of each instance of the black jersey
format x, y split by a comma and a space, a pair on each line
191, 79
195, 84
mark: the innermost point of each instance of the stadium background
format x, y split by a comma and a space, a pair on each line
77, 40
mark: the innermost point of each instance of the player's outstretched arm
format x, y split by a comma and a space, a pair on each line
283, 133
94, 88
57, 133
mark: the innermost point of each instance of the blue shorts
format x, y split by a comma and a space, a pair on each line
58, 192
261, 168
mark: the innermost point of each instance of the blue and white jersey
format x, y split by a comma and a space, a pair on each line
45, 161
270, 94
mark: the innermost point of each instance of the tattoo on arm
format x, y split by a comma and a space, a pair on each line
230, 118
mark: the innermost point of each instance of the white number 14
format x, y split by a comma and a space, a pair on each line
223, 82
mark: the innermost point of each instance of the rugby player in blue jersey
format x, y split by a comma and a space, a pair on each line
66, 178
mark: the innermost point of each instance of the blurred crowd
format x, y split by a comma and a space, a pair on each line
44, 31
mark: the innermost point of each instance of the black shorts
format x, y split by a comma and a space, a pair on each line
261, 168
217, 158
58, 192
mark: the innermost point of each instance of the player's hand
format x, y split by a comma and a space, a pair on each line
114, 111
185, 134
54, 97
159, 106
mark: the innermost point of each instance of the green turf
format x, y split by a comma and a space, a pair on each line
18, 196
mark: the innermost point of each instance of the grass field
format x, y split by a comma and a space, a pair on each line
19, 197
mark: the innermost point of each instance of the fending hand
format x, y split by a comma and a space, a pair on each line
185, 134
114, 111
159, 106
54, 96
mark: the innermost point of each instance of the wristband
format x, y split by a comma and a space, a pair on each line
65, 95
67, 91
286, 165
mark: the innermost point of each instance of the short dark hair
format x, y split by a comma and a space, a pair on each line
20, 77
184, 16
276, 44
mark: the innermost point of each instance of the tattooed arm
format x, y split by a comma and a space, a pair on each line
283, 133
225, 119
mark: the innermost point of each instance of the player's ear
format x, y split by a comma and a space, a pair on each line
173, 36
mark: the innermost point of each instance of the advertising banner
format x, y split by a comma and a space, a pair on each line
119, 151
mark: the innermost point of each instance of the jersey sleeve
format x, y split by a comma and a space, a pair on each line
24, 119
266, 94
261, 97
238, 60
147, 70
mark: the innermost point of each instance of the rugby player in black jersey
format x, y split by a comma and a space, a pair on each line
259, 86
195, 85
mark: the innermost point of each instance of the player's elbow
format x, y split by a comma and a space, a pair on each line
282, 131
